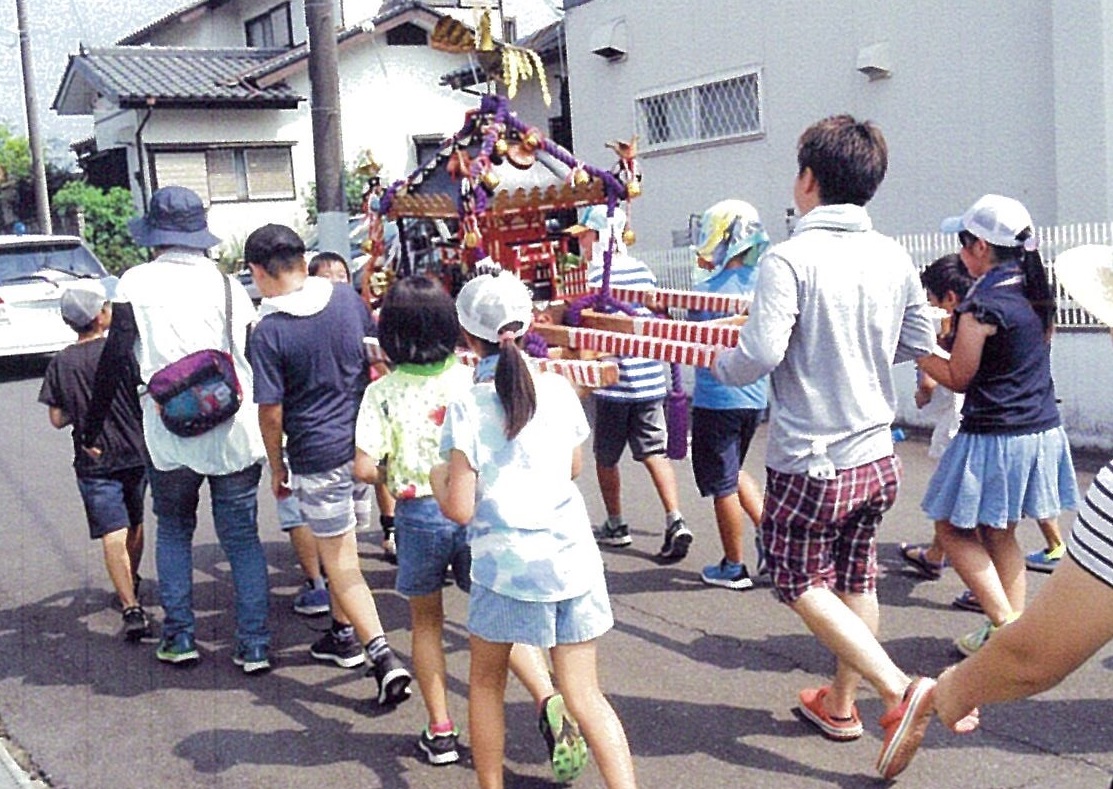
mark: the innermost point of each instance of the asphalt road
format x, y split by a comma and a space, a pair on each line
704, 679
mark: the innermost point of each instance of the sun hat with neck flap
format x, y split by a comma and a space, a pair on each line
175, 218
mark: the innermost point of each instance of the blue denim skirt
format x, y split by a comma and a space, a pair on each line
994, 480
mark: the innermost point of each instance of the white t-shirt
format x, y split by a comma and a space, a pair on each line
531, 536
178, 301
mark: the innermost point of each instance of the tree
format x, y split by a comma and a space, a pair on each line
353, 194
106, 222
15, 157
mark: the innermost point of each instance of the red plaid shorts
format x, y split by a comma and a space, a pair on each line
821, 533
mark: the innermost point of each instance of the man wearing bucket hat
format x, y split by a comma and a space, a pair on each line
1019, 661
113, 482
166, 309
632, 410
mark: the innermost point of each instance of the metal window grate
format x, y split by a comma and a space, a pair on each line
708, 112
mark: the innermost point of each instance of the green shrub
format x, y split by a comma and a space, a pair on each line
106, 222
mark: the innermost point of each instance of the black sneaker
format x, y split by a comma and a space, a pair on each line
678, 539
439, 748
393, 679
344, 652
136, 624
614, 536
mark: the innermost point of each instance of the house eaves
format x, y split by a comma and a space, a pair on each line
182, 15
292, 60
168, 77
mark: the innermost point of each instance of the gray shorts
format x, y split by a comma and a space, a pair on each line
639, 423
326, 500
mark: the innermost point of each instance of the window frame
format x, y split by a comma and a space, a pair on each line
268, 15
240, 168
691, 88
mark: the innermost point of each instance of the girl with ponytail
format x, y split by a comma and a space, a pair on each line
513, 449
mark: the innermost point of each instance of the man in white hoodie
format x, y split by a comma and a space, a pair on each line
835, 306
310, 372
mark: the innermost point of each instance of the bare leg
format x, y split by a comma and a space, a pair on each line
975, 567
844, 687
610, 486
305, 548
839, 628
936, 551
1049, 527
532, 670
350, 596
135, 548
1008, 559
1020, 661
576, 675
728, 516
664, 480
751, 498
384, 500
427, 615
486, 716
118, 564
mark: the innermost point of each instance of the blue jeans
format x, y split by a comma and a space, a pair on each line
234, 505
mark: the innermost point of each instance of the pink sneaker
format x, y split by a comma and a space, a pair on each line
904, 727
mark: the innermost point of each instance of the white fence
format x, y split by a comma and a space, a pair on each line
673, 267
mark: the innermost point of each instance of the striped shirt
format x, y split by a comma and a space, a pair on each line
1091, 542
638, 379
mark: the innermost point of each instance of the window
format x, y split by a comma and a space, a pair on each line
705, 112
228, 174
272, 29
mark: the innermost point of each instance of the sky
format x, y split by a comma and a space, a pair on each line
56, 29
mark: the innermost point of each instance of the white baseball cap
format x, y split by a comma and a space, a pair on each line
995, 219
490, 302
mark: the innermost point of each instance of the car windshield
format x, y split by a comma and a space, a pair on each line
24, 262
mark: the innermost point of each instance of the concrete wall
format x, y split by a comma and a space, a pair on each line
962, 117
1082, 366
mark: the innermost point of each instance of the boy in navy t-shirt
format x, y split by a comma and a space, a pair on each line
310, 369
112, 478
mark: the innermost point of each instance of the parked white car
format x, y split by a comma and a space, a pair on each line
34, 273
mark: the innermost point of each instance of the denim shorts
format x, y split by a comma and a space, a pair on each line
639, 423
289, 513
428, 543
114, 502
500, 619
326, 500
720, 440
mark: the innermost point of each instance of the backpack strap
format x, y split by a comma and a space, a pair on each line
228, 314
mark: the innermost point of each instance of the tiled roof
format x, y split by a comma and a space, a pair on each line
177, 77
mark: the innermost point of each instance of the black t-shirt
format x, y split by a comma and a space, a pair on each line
68, 384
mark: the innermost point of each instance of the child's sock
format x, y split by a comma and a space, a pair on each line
614, 521
319, 582
342, 631
442, 728
387, 522
376, 648
671, 517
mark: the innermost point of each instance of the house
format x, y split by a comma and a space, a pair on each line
214, 96
1006, 96
973, 97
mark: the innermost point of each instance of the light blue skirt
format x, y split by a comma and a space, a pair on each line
995, 480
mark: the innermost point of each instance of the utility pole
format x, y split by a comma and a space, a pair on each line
38, 166
324, 102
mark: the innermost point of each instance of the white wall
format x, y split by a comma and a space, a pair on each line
961, 117
1082, 367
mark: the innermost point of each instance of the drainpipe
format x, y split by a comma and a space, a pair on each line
140, 172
